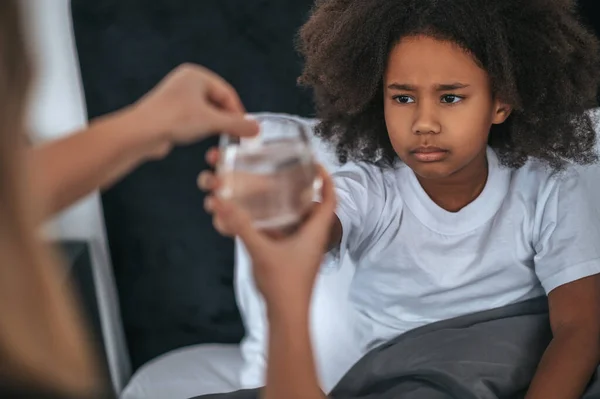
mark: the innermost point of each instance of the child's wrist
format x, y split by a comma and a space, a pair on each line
288, 311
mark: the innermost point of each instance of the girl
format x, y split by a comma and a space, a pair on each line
458, 121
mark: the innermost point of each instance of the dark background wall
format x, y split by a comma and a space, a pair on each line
590, 11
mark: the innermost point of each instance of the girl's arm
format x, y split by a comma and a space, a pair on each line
574, 353
291, 371
335, 235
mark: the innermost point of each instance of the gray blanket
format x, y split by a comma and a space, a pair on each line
488, 355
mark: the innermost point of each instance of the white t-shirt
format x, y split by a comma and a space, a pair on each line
528, 232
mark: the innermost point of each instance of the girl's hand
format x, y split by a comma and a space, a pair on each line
285, 267
246, 184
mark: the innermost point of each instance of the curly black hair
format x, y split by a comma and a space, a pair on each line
540, 59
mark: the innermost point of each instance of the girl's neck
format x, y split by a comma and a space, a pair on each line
460, 189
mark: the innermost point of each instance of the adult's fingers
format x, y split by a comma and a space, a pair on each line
224, 97
232, 124
218, 91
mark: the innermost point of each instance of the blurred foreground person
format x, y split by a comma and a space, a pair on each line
45, 350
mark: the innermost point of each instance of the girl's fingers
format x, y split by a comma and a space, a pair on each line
207, 181
213, 156
209, 204
320, 218
238, 222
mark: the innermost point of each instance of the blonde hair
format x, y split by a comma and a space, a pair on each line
42, 339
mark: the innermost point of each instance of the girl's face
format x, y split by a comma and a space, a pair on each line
439, 107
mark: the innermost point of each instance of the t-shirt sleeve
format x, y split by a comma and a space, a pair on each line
568, 235
360, 195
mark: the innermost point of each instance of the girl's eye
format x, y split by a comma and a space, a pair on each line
451, 99
403, 99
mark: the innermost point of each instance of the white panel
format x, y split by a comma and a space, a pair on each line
57, 108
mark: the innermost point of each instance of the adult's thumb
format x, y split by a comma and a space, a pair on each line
234, 124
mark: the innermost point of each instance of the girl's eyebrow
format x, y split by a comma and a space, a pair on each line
451, 86
438, 87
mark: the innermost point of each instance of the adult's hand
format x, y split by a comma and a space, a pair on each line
190, 104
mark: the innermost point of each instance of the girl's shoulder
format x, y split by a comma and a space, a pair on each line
539, 182
542, 174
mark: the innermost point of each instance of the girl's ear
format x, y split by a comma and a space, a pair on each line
501, 112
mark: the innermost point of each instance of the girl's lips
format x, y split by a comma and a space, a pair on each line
429, 154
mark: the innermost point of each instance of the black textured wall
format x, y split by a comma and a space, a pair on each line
590, 10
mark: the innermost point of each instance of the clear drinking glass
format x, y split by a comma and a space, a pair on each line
273, 176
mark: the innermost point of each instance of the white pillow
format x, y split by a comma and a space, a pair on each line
591, 174
331, 314
187, 372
